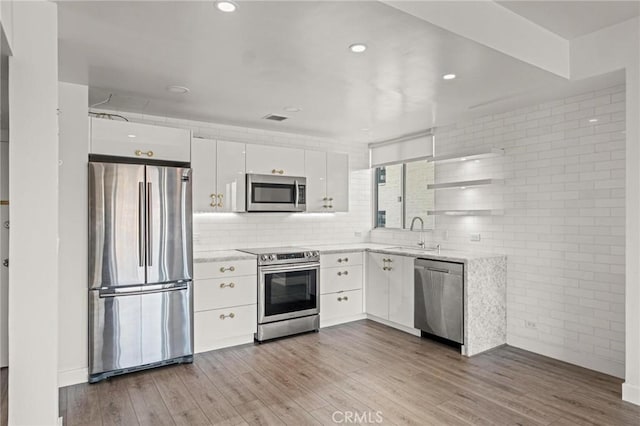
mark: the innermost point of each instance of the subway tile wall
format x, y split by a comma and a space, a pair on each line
213, 231
562, 229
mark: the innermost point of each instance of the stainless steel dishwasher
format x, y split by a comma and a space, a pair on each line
439, 292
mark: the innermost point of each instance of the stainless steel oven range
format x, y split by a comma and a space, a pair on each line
288, 291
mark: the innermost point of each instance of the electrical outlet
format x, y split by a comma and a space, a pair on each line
475, 237
530, 324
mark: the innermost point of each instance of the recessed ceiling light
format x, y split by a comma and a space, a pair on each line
226, 6
178, 89
292, 109
463, 159
593, 120
449, 76
358, 47
463, 187
131, 136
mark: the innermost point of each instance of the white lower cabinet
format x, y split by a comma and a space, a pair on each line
225, 304
218, 328
389, 288
341, 288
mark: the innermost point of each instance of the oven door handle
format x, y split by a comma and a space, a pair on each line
284, 268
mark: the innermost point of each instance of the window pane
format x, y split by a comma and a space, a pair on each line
389, 209
418, 199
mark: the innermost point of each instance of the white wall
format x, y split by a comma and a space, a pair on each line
563, 223
33, 155
73, 252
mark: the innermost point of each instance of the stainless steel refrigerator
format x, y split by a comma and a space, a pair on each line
140, 267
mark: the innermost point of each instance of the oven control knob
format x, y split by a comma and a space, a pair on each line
272, 257
316, 253
307, 254
263, 257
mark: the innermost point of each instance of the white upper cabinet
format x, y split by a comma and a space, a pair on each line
144, 141
218, 176
337, 182
315, 164
275, 160
327, 181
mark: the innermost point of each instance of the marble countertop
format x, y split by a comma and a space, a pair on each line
446, 255
221, 256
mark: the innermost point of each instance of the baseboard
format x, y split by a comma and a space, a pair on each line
631, 393
225, 343
341, 320
566, 355
72, 377
392, 324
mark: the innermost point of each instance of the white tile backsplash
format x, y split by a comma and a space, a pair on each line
563, 222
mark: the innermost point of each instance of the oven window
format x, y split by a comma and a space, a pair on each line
272, 193
290, 291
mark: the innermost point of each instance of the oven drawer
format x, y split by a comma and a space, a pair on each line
218, 324
340, 259
344, 278
219, 293
343, 304
230, 268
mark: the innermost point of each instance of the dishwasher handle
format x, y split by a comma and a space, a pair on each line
439, 266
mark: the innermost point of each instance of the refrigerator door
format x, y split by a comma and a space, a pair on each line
116, 224
114, 331
169, 234
167, 324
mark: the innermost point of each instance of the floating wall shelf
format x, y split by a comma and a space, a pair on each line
466, 213
469, 155
464, 183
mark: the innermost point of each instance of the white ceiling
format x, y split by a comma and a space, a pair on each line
269, 55
571, 19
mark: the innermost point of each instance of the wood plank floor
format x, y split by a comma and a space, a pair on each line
363, 368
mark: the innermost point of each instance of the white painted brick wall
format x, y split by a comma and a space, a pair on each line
563, 223
237, 230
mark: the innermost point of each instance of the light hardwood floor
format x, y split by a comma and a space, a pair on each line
363, 368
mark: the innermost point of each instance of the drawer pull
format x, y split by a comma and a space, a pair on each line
387, 268
230, 268
387, 260
147, 153
277, 172
343, 273
230, 285
231, 315
346, 259
345, 298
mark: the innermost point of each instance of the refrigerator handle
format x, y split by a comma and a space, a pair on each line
141, 224
149, 226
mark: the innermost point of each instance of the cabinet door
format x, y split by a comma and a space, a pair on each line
267, 160
315, 165
126, 139
338, 181
231, 176
204, 175
377, 286
401, 291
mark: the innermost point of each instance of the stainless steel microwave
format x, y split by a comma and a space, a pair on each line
267, 193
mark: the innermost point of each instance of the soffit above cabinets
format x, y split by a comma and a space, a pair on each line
269, 57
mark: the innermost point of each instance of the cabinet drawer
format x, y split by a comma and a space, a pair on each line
340, 279
344, 304
126, 139
340, 259
229, 268
219, 293
217, 324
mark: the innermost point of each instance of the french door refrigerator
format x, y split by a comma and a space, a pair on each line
140, 267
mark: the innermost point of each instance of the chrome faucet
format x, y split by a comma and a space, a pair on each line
413, 222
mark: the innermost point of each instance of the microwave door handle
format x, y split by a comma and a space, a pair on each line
297, 190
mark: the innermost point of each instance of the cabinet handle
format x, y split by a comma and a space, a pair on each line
387, 260
230, 268
346, 259
277, 172
387, 268
147, 153
213, 200
230, 285
340, 299
343, 273
231, 315
220, 203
